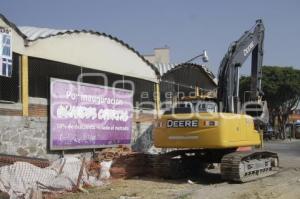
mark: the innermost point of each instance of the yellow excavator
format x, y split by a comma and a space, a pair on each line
214, 130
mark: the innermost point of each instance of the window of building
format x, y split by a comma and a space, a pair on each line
10, 83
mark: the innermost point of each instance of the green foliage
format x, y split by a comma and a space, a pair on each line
281, 87
279, 84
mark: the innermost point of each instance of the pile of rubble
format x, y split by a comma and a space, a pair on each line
125, 163
25, 180
11, 159
25, 177
128, 164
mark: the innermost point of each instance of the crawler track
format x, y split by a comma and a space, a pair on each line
249, 166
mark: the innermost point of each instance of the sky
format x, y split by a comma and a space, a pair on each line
186, 27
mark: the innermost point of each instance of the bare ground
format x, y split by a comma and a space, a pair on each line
285, 184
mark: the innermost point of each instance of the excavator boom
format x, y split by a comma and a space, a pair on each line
228, 78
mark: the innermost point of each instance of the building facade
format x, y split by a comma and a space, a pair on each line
78, 55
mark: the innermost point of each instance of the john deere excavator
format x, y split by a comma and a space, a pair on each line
215, 130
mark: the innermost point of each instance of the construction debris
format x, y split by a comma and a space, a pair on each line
112, 153
11, 159
130, 165
104, 172
155, 165
23, 180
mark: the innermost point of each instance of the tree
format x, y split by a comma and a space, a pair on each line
281, 87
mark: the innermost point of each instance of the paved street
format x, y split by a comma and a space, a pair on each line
288, 151
284, 184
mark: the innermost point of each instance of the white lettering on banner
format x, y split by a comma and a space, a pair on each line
111, 114
76, 112
93, 98
82, 112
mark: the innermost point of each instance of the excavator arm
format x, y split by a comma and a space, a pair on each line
228, 78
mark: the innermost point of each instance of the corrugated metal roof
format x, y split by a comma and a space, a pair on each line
36, 33
164, 68
30, 34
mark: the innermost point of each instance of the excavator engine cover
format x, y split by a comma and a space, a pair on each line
205, 130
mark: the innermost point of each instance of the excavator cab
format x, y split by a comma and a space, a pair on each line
193, 106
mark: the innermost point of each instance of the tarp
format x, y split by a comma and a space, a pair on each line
22, 180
